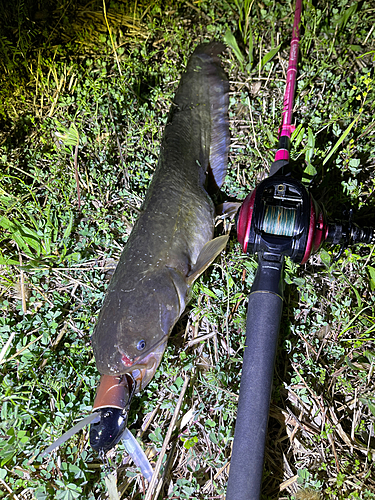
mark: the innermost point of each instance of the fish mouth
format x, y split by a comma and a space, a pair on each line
143, 367
114, 395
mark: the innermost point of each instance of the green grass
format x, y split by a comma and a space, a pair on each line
62, 87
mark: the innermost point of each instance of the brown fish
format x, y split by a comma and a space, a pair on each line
171, 243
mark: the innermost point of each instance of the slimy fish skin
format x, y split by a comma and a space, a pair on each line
172, 241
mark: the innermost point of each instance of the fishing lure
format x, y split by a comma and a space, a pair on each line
108, 422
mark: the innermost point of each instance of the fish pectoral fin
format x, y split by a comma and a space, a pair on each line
208, 254
228, 208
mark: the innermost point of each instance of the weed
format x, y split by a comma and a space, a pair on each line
84, 97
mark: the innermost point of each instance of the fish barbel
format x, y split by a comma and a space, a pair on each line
172, 241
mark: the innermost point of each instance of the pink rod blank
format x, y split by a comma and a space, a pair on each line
286, 121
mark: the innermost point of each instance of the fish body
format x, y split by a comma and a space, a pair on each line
170, 246
171, 243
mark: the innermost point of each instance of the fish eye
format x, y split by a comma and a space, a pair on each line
141, 345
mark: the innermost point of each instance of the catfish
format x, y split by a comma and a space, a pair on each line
169, 247
172, 242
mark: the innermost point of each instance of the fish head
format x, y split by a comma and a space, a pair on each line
133, 328
141, 356
144, 369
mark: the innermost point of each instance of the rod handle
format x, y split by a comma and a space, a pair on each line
262, 329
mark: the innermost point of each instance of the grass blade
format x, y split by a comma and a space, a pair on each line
347, 15
270, 55
341, 140
232, 43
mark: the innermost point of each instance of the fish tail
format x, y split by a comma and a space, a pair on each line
219, 101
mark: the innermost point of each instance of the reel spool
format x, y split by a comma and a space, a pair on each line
281, 218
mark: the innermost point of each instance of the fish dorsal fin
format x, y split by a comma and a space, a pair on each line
220, 139
208, 254
229, 208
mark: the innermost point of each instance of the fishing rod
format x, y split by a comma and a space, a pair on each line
279, 218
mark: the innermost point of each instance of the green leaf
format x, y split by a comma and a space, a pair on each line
208, 292
371, 271
68, 230
232, 43
310, 145
297, 135
69, 136
303, 475
369, 404
271, 137
7, 261
21, 435
347, 15
299, 282
7, 454
71, 492
213, 437
310, 170
351, 365
31, 238
55, 226
6, 223
72, 136
270, 55
370, 356
40, 493
156, 436
22, 245
326, 258
47, 238
189, 442
358, 297
251, 48
341, 139
356, 48
23, 235
178, 382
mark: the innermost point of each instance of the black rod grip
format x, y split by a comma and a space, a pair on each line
262, 329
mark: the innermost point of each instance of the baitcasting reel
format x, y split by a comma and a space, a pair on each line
281, 218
